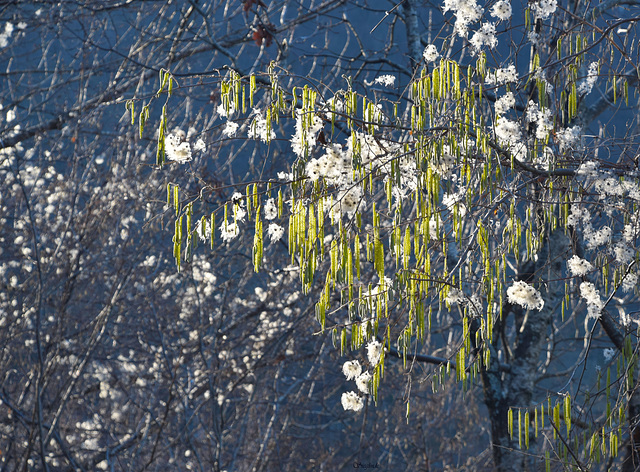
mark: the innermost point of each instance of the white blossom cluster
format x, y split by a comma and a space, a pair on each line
230, 129
374, 352
586, 86
275, 232
352, 401
335, 166
609, 189
227, 108
568, 137
430, 53
501, 10
523, 294
608, 354
542, 119
444, 162
6, 34
353, 371
504, 103
485, 36
349, 200
270, 209
231, 230
591, 296
307, 128
599, 237
578, 266
630, 282
502, 75
466, 12
386, 80
543, 9
509, 133
177, 149
260, 127
455, 296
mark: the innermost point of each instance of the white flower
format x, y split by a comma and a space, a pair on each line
608, 354
363, 382
349, 200
307, 128
501, 10
578, 215
523, 294
238, 206
508, 132
351, 369
628, 233
430, 53
543, 9
6, 34
630, 282
226, 111
598, 238
229, 231
203, 230
587, 84
542, 119
259, 128
374, 350
270, 209
579, 267
435, 223
176, 149
486, 35
386, 80
230, 129
275, 231
502, 76
592, 297
444, 162
352, 401
568, 137
588, 169
466, 11
505, 103
454, 296
199, 145
609, 186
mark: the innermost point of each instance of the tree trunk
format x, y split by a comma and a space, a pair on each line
513, 387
